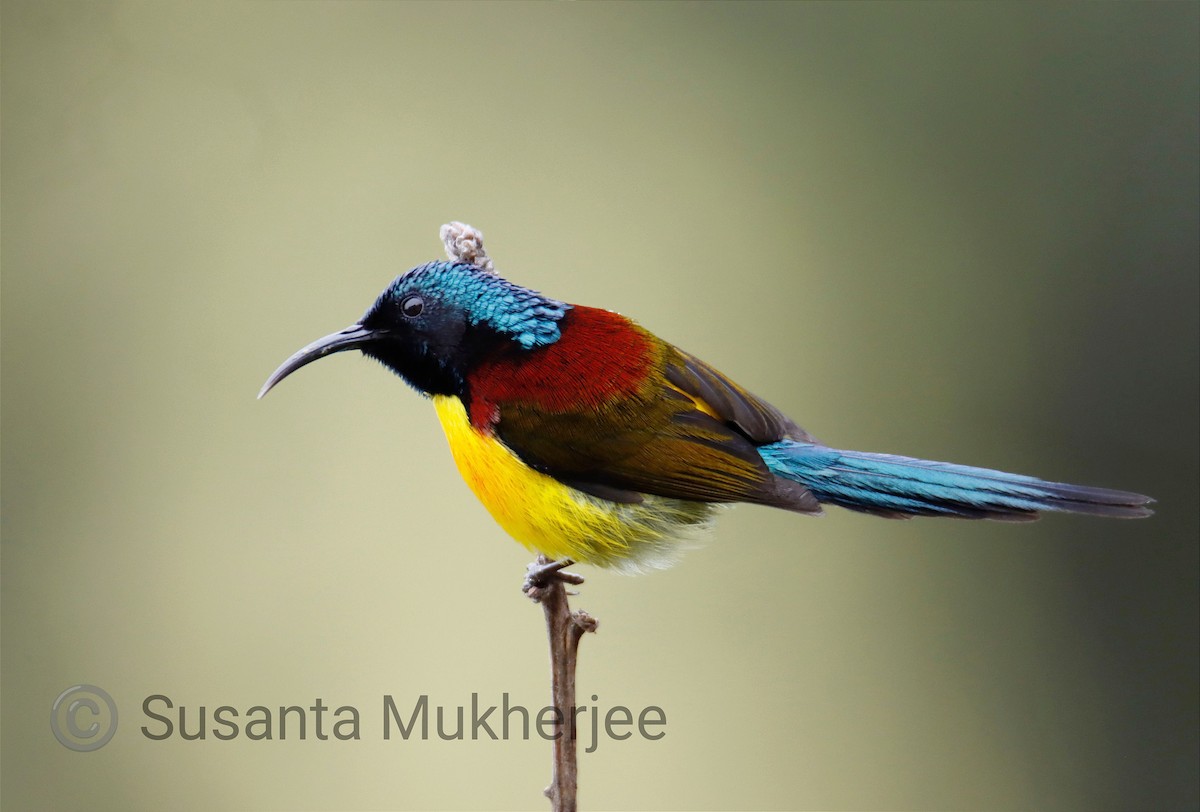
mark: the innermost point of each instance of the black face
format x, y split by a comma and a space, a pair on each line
434, 323
428, 342
421, 339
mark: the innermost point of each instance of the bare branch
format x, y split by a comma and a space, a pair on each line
544, 583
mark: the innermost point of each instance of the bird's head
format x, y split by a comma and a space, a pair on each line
433, 322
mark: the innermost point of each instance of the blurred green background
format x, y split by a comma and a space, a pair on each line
963, 232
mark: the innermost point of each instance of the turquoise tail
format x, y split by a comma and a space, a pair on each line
900, 487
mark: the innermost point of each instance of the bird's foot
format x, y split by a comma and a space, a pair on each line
542, 573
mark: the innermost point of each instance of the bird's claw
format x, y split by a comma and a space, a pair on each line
541, 573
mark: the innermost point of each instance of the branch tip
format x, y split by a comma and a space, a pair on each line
464, 243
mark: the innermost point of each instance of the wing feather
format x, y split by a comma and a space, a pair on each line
683, 431
759, 421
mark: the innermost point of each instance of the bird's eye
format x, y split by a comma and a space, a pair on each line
412, 306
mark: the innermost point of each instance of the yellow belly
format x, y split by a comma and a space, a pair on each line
552, 518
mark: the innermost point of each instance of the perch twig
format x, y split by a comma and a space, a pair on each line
545, 583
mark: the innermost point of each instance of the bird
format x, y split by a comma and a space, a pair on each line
591, 440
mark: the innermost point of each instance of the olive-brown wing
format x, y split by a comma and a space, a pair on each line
662, 440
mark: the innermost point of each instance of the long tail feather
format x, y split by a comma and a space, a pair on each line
900, 487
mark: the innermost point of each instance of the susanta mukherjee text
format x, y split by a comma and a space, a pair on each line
401, 719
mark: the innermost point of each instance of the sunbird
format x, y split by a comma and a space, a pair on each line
589, 438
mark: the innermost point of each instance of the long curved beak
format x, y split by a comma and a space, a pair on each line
352, 338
